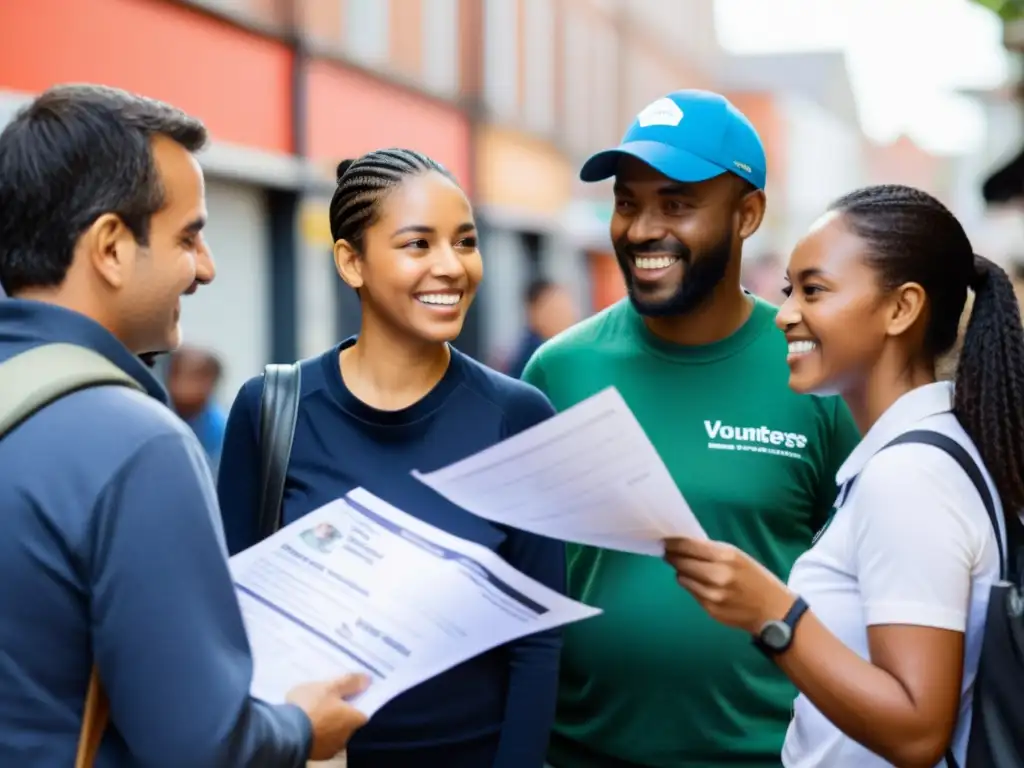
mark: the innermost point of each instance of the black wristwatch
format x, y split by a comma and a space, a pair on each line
776, 636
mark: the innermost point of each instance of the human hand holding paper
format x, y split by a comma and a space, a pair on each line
332, 718
730, 585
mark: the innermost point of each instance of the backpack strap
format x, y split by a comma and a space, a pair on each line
94, 722
279, 409
33, 379
29, 382
970, 466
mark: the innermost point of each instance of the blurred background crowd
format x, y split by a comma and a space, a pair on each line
511, 95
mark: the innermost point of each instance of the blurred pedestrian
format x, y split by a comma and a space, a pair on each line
399, 397
192, 378
112, 553
549, 311
653, 681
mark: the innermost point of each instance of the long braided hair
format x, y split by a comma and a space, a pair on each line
913, 237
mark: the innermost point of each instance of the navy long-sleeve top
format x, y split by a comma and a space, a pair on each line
493, 710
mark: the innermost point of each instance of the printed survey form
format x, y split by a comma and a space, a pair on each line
360, 586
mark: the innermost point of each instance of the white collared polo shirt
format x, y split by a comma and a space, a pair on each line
911, 544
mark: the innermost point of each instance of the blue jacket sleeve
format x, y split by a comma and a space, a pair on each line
238, 478
168, 636
533, 679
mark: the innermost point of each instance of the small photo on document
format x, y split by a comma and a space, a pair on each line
323, 537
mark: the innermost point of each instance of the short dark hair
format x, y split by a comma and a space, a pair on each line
744, 187
536, 289
364, 183
210, 360
915, 238
75, 153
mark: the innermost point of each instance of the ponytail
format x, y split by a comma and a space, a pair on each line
989, 400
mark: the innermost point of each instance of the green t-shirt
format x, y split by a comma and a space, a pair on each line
654, 681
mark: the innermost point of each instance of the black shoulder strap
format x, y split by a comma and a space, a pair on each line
279, 408
970, 466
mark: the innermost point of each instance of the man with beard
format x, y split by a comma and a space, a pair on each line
653, 681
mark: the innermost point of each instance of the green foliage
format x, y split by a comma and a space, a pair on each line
1008, 10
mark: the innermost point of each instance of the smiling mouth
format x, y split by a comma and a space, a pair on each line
441, 300
798, 349
654, 262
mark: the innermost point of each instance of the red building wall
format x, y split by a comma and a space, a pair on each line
238, 82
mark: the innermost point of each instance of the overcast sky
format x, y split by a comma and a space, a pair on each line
906, 57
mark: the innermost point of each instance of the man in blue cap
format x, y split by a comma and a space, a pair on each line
653, 681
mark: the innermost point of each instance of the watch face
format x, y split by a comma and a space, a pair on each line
775, 635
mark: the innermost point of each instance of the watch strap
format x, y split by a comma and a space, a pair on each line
795, 613
792, 617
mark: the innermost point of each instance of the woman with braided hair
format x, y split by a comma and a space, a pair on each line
399, 397
881, 623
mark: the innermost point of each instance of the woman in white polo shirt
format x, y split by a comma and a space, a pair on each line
898, 584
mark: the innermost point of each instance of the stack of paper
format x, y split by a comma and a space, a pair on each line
588, 475
360, 586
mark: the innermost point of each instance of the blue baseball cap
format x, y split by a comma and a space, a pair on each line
688, 136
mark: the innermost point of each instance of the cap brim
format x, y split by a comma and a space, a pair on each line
677, 164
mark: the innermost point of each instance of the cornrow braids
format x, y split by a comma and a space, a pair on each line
912, 237
363, 184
